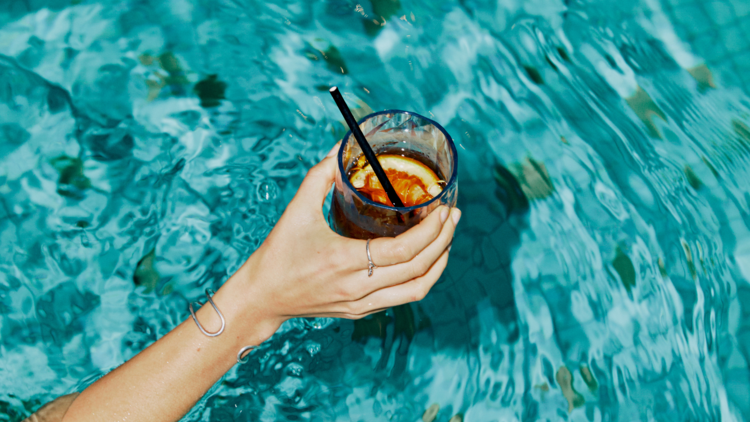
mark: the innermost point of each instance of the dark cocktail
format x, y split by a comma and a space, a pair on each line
420, 160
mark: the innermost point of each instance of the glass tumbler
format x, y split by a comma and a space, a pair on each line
401, 133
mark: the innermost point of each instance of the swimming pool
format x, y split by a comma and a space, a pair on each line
600, 271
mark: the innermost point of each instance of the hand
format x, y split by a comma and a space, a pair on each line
304, 269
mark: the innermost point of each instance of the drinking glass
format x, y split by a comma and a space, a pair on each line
401, 133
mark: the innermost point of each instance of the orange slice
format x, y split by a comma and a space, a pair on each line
414, 182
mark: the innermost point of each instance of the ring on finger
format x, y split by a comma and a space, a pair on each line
370, 265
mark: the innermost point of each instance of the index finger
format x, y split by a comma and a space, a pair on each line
404, 247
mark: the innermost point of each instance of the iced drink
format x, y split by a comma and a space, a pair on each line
418, 157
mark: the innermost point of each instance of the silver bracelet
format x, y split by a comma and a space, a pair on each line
200, 327
242, 352
209, 293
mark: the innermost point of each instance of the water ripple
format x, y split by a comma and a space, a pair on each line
600, 272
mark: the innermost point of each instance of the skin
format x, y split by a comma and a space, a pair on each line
303, 269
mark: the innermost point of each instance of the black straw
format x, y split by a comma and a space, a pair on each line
366, 149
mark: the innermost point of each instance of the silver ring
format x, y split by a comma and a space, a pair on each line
200, 327
370, 264
242, 351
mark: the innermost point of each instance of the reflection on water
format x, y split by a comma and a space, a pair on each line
601, 269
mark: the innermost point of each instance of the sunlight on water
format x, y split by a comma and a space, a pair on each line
600, 272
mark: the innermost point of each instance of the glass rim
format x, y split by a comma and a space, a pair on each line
366, 200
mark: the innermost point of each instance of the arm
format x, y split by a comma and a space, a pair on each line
166, 379
303, 269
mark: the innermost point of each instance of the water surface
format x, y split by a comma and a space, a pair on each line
600, 271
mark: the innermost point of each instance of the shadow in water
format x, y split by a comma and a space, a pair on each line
494, 210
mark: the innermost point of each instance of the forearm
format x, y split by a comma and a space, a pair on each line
165, 380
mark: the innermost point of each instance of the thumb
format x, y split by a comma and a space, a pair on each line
318, 181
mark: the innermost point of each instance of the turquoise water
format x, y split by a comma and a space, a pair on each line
600, 272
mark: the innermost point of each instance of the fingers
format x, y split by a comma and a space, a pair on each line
418, 266
334, 150
402, 248
319, 179
345, 315
412, 291
427, 266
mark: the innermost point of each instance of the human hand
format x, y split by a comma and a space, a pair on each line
305, 269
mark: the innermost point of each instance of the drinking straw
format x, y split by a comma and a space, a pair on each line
366, 149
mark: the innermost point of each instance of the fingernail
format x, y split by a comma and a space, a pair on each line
449, 248
444, 215
456, 216
333, 150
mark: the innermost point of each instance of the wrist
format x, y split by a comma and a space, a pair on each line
247, 320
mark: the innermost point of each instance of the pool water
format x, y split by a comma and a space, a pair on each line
600, 272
